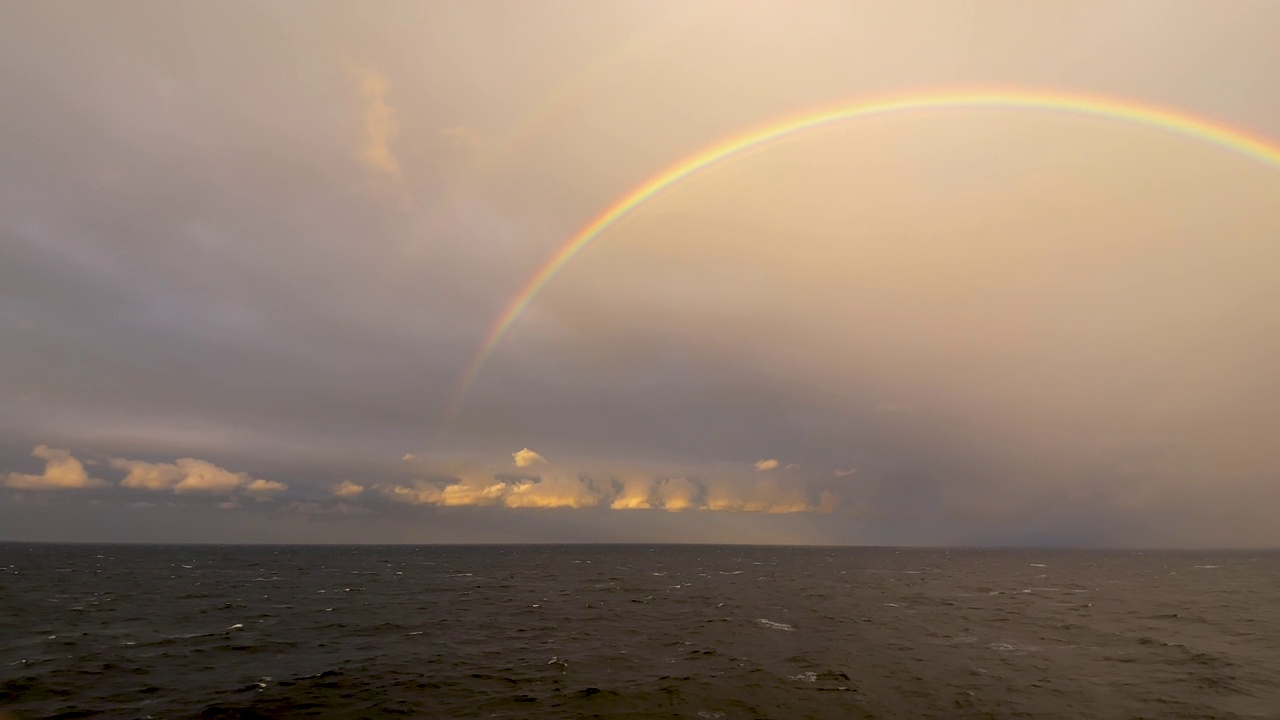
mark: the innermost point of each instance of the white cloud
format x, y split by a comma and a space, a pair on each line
200, 476
548, 492
265, 488
472, 486
348, 489
845, 473
147, 476
419, 493
526, 457
61, 472
467, 494
189, 475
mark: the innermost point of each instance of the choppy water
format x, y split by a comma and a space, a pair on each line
630, 631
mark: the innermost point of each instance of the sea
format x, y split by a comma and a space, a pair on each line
635, 631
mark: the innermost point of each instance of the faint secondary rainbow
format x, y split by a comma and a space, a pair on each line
1167, 119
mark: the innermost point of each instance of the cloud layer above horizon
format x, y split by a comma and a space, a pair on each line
63, 471
245, 260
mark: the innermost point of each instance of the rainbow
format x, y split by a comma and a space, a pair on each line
1174, 121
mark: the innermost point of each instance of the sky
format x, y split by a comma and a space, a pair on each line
251, 253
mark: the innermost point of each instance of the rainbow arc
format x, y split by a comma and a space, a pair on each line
1116, 109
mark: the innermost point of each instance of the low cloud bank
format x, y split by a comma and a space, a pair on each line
185, 475
189, 475
556, 487
61, 472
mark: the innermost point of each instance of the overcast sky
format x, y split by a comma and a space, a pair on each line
247, 251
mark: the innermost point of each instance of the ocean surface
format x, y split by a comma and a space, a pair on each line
635, 631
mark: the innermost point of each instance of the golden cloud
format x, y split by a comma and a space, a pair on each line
553, 492
632, 490
526, 457
348, 489
61, 472
189, 475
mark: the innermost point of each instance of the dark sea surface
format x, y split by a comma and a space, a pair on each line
635, 631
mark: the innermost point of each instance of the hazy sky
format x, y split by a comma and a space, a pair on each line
247, 251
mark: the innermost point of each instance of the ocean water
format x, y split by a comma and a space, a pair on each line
635, 631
